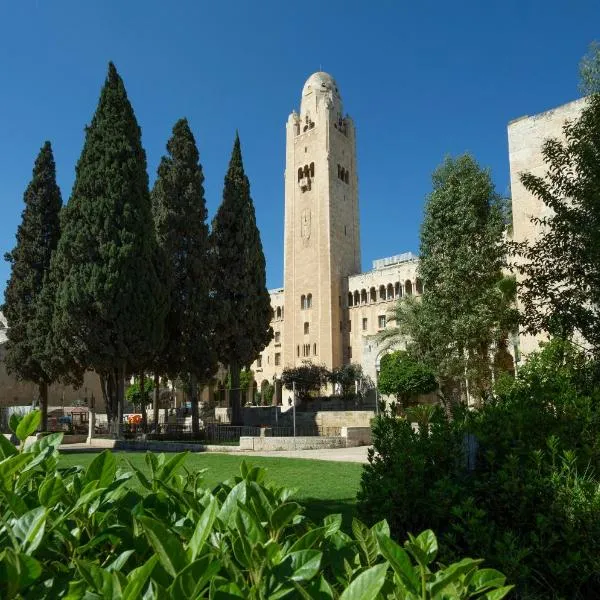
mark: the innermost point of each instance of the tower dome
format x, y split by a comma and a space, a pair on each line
319, 87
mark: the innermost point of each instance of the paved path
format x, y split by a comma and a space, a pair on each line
358, 454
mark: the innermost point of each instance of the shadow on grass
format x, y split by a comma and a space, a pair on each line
317, 509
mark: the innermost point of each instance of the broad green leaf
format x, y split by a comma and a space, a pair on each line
13, 422
497, 594
230, 505
452, 573
54, 440
52, 490
316, 590
400, 562
311, 539
29, 528
13, 501
165, 544
140, 475
283, 515
203, 528
18, 571
248, 523
484, 578
6, 447
367, 585
381, 528
192, 580
137, 579
13, 464
305, 564
102, 469
366, 540
230, 591
332, 524
28, 424
167, 469
120, 561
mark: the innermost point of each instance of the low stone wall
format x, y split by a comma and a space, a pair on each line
357, 436
291, 443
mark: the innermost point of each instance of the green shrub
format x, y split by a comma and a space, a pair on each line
527, 496
88, 534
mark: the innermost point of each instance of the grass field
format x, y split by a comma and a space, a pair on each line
323, 487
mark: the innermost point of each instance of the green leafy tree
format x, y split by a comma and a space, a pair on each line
110, 301
136, 396
239, 290
182, 232
404, 377
346, 377
308, 377
467, 308
560, 289
37, 238
246, 381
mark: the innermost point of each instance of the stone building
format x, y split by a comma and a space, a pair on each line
526, 136
328, 311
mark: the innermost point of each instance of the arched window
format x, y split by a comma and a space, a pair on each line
390, 291
397, 289
315, 349
419, 286
363, 296
372, 295
302, 302
349, 298
306, 171
382, 292
300, 174
312, 169
408, 287
278, 313
309, 301
306, 328
298, 350
356, 298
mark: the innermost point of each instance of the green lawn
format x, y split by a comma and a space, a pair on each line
324, 487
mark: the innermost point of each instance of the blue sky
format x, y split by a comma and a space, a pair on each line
421, 80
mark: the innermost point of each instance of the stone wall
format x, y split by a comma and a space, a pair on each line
291, 443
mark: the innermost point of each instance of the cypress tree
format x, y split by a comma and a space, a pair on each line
110, 301
37, 238
182, 232
240, 291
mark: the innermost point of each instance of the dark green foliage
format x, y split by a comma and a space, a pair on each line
589, 71
133, 393
110, 302
308, 377
560, 290
182, 232
345, 377
89, 533
464, 311
404, 377
37, 238
240, 293
516, 481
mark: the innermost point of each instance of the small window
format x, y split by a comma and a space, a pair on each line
364, 324
312, 169
278, 313
277, 337
300, 175
350, 299
306, 328
381, 321
309, 301
315, 349
277, 359
268, 359
298, 350
345, 230
259, 362
302, 302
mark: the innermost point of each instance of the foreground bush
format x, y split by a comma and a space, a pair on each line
516, 482
88, 534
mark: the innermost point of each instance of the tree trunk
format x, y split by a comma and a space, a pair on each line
234, 394
120, 398
104, 378
194, 403
43, 393
155, 401
143, 402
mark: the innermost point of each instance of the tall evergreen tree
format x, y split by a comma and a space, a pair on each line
182, 232
466, 310
240, 293
37, 238
110, 301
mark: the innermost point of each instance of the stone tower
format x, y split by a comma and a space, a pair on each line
322, 245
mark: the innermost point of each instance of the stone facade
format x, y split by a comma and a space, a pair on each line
526, 137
